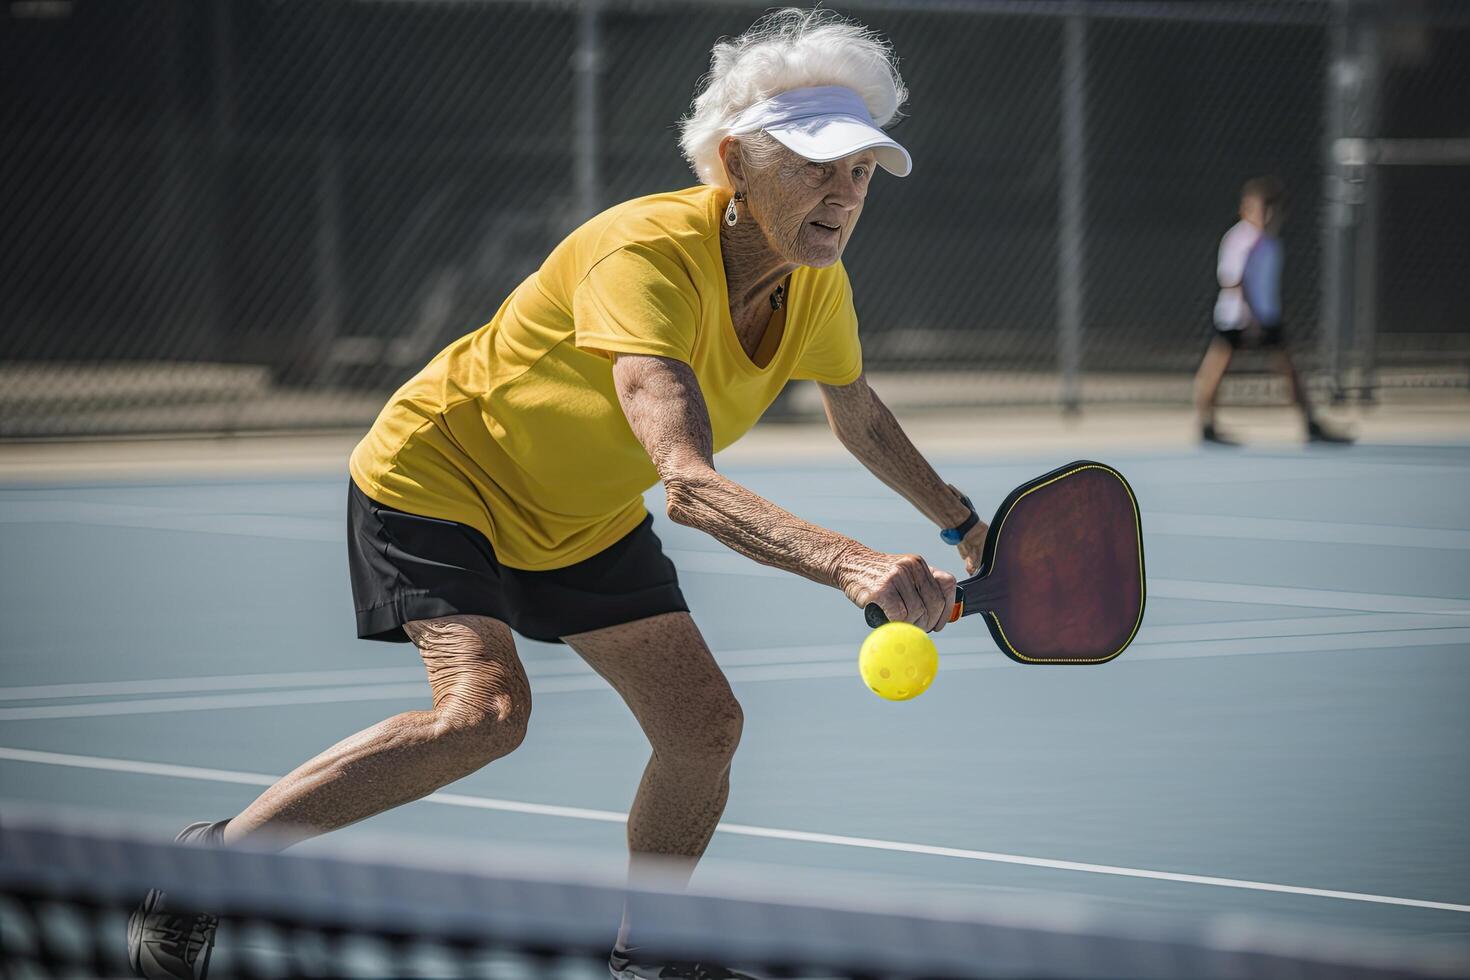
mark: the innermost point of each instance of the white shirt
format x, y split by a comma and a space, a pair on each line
1231, 310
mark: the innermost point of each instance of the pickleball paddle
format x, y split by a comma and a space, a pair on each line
1061, 576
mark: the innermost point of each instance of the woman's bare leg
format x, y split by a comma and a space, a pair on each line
481, 704
669, 679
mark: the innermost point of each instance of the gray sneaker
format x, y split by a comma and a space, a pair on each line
1317, 432
170, 942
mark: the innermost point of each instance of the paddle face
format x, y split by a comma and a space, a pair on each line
1062, 579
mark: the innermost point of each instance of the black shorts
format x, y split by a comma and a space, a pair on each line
406, 567
1269, 338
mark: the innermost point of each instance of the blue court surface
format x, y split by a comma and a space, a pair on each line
1288, 738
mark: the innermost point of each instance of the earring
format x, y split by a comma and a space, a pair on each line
731, 215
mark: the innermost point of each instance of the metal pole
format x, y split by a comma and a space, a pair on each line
587, 138
328, 245
328, 254
221, 133
171, 216
1365, 322
1072, 208
1341, 195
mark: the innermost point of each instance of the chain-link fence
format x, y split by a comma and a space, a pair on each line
244, 214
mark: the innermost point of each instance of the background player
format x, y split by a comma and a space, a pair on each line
1248, 310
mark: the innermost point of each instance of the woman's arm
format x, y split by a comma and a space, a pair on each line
663, 403
868, 429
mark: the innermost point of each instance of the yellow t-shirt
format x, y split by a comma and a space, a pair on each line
515, 429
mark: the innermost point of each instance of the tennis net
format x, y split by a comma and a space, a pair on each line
66, 890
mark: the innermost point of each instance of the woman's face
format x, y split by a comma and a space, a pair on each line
808, 210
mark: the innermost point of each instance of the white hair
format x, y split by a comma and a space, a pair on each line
786, 49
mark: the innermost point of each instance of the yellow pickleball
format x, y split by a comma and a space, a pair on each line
898, 661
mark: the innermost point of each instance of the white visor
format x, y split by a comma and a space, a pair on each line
823, 124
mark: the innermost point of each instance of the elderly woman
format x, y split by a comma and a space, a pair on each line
501, 490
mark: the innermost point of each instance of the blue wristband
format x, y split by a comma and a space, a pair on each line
954, 535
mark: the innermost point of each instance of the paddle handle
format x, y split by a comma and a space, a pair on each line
875, 616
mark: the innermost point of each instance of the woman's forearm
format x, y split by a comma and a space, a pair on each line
884, 448
666, 410
746, 522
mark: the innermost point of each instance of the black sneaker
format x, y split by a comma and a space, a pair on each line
167, 942
623, 968
1208, 433
1316, 433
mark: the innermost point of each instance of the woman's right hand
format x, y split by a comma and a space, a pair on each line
906, 587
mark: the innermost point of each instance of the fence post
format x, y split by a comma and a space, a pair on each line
221, 146
1072, 207
312, 357
586, 136
1342, 176
1365, 302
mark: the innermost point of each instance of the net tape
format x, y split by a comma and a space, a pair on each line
66, 892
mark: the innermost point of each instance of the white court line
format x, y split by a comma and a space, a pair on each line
166, 685
536, 667
1280, 595
740, 830
235, 682
1154, 471
545, 667
407, 693
835, 661
290, 526
881, 510
1314, 532
1294, 626
729, 563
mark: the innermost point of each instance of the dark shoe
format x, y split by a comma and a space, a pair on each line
623, 968
169, 942
1316, 433
1208, 433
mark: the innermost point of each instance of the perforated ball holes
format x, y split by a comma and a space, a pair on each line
898, 661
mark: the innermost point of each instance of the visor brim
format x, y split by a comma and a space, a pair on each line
829, 138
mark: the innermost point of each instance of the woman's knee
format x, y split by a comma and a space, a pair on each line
708, 736
486, 729
482, 699
665, 673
